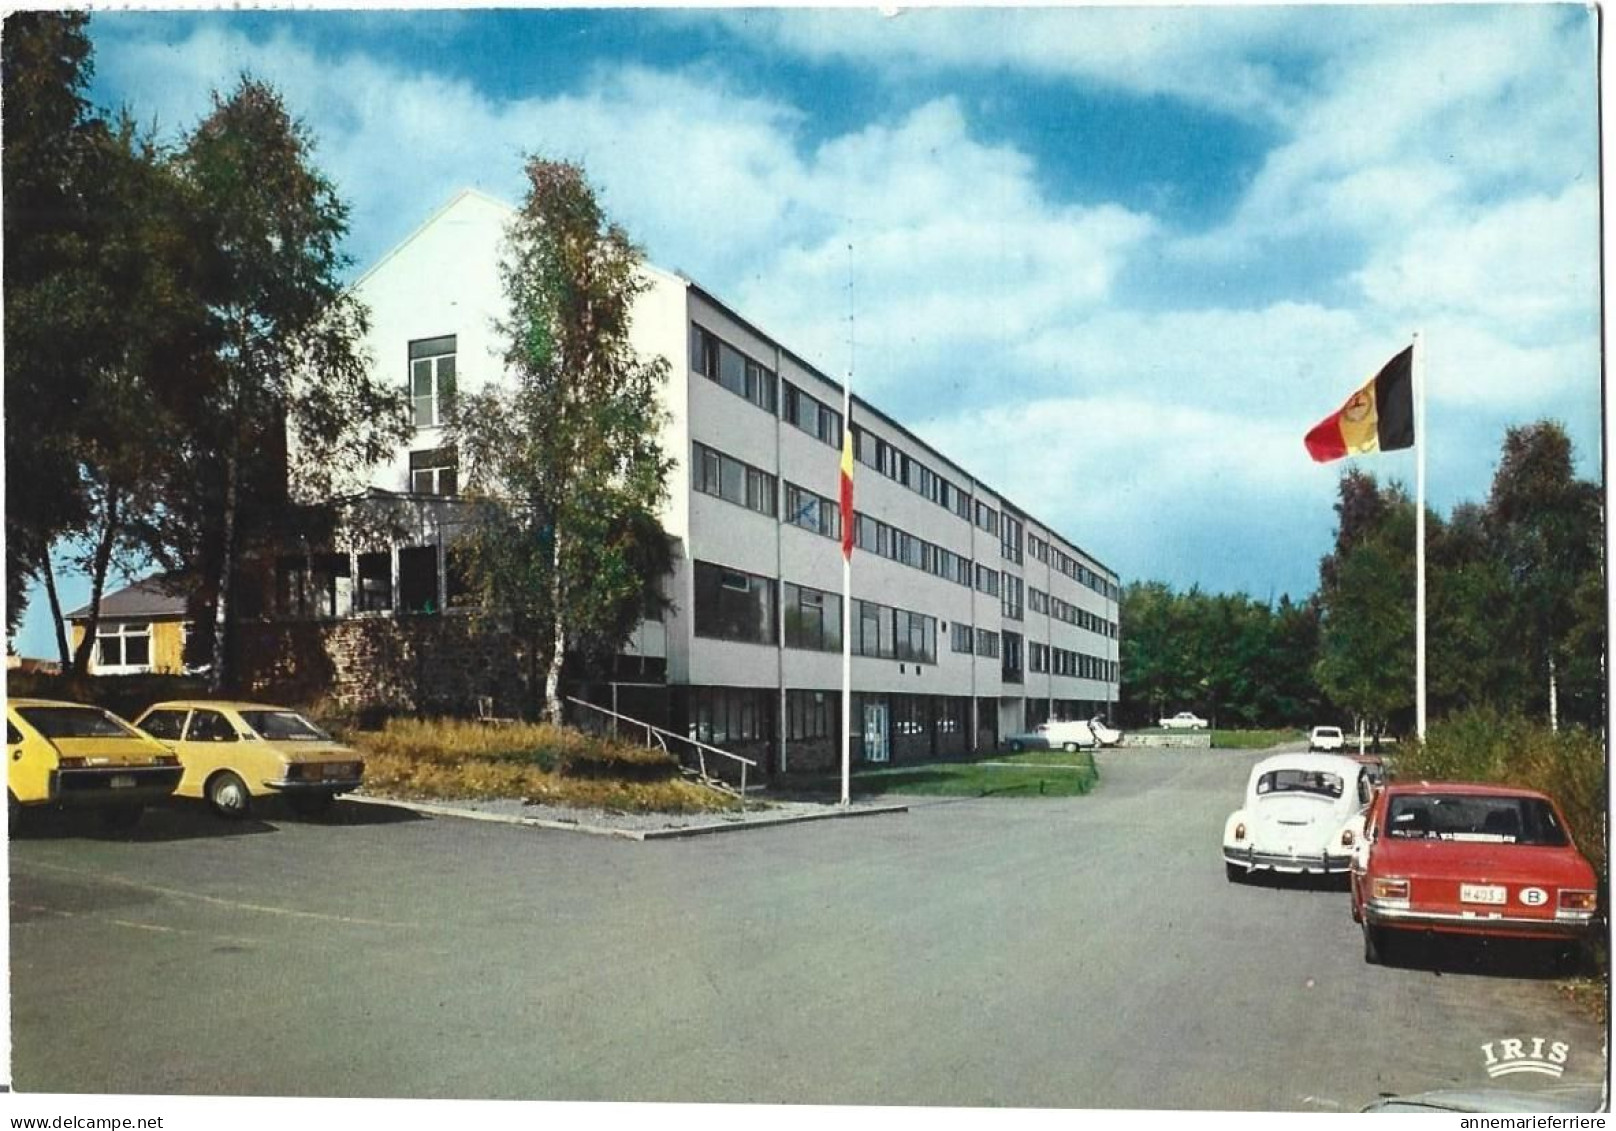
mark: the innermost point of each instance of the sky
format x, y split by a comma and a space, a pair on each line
1115, 262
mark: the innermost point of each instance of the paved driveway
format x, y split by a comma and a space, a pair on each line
1082, 952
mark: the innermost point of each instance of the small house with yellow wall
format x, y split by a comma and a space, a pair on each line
142, 630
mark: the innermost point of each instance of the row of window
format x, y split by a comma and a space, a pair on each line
877, 537
719, 361
1042, 550
808, 414
1082, 618
729, 715
1061, 661
736, 605
725, 477
329, 585
872, 451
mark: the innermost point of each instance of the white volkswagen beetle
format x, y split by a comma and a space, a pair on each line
1303, 813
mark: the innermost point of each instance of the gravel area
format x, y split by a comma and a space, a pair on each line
758, 812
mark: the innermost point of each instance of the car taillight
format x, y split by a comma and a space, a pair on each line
1389, 889
71, 763
1240, 831
1579, 900
166, 760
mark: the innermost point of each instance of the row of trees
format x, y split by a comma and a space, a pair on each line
181, 346
170, 309
1515, 612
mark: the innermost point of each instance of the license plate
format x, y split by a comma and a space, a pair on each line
121, 781
1481, 893
335, 771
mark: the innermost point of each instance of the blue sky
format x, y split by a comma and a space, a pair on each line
1115, 262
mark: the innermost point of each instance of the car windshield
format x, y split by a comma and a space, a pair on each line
1495, 820
73, 722
1313, 782
279, 726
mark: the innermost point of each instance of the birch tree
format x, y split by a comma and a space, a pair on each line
562, 460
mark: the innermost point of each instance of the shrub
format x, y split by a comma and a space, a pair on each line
1482, 745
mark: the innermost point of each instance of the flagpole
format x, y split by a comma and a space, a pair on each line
1419, 535
847, 611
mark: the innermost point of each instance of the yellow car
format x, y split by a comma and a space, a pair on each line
70, 754
235, 752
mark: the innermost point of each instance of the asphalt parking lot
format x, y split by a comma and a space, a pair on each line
1078, 953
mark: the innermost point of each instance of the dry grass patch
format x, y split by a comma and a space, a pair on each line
457, 760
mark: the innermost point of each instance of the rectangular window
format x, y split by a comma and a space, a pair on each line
731, 605
813, 512
729, 479
1010, 670
432, 380
434, 472
724, 715
813, 619
123, 647
418, 579
1010, 539
987, 643
306, 584
375, 582
1010, 599
987, 580
961, 637
811, 714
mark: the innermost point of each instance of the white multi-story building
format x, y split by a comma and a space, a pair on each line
972, 619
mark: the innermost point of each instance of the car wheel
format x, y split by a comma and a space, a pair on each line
1234, 872
1015, 747
121, 816
229, 795
14, 813
1070, 748
1374, 945
311, 804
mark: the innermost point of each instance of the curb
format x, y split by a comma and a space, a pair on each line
432, 810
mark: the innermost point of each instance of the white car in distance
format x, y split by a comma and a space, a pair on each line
1184, 720
1053, 735
1326, 739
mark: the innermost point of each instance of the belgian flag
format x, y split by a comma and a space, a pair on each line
1377, 418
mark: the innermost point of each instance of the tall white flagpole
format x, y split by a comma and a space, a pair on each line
847, 608
849, 536
1419, 534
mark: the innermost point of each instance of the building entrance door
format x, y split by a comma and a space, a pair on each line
875, 731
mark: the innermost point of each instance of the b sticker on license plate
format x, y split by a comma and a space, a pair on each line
121, 781
1481, 893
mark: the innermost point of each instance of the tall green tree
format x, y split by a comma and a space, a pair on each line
1366, 600
288, 357
48, 167
1548, 531
563, 462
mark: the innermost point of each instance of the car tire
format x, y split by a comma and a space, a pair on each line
1071, 748
1374, 945
1235, 873
14, 813
121, 817
311, 804
1015, 747
228, 795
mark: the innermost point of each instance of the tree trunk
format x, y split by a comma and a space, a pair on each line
1554, 697
63, 655
99, 565
227, 553
558, 634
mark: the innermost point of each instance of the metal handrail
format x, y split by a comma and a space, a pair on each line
662, 735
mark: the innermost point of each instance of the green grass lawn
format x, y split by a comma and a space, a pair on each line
1038, 773
1254, 739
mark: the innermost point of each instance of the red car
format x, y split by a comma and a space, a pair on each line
1459, 859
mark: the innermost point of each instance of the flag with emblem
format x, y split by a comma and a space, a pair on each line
1377, 418
847, 490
